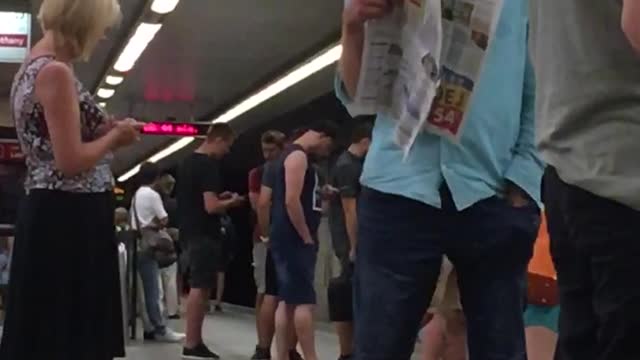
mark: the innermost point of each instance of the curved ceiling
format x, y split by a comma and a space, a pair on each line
207, 57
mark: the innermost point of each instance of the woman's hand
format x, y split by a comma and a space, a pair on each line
126, 132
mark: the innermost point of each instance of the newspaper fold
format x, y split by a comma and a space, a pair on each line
420, 65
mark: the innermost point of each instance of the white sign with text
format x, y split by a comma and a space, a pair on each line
15, 36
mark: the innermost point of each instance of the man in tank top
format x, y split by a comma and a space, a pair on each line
296, 212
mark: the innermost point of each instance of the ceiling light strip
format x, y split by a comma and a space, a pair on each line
163, 7
295, 76
105, 93
136, 46
114, 80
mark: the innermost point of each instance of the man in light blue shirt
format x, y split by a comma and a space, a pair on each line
476, 202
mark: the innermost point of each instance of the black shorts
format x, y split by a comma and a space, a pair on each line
271, 279
204, 260
340, 295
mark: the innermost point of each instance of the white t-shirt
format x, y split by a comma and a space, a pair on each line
148, 205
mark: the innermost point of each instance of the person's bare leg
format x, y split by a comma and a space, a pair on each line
219, 288
267, 321
455, 336
345, 337
259, 301
293, 337
433, 340
541, 343
197, 304
284, 316
303, 321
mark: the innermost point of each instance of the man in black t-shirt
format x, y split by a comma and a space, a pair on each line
343, 222
201, 200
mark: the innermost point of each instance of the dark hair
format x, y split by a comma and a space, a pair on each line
361, 132
149, 173
220, 130
295, 134
273, 137
328, 128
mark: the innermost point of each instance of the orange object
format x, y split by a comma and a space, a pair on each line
542, 285
541, 263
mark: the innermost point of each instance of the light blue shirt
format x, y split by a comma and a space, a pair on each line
497, 142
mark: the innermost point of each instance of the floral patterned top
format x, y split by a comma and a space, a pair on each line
33, 135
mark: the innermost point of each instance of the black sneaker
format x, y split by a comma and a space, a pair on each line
293, 355
199, 352
345, 357
174, 317
261, 354
218, 308
149, 336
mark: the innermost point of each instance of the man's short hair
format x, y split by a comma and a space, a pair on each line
296, 133
361, 132
274, 137
325, 127
149, 173
220, 131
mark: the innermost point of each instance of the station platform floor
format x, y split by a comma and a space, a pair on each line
232, 335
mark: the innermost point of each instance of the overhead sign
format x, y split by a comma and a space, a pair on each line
15, 36
175, 129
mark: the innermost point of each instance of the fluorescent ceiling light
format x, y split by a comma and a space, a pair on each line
136, 45
159, 156
164, 6
129, 174
114, 80
105, 93
298, 74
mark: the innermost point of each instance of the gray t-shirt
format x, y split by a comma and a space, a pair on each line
588, 96
346, 178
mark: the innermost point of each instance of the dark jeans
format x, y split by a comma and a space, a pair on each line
595, 244
399, 254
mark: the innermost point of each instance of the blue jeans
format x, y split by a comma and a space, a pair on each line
150, 275
399, 254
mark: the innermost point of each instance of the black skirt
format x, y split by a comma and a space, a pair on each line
64, 294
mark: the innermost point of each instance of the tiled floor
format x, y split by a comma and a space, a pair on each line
230, 334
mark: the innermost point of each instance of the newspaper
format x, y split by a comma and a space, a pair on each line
420, 65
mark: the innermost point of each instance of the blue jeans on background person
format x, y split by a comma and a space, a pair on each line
150, 274
400, 248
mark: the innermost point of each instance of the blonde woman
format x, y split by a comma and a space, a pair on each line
66, 221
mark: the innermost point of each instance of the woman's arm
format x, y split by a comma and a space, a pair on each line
56, 90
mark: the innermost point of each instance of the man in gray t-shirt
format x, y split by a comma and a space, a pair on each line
585, 54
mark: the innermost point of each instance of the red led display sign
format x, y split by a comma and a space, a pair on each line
174, 129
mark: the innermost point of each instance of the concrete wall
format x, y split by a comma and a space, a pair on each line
5, 119
327, 267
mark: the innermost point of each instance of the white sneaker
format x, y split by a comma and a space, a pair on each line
170, 336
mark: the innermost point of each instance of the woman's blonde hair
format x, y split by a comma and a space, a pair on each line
79, 24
